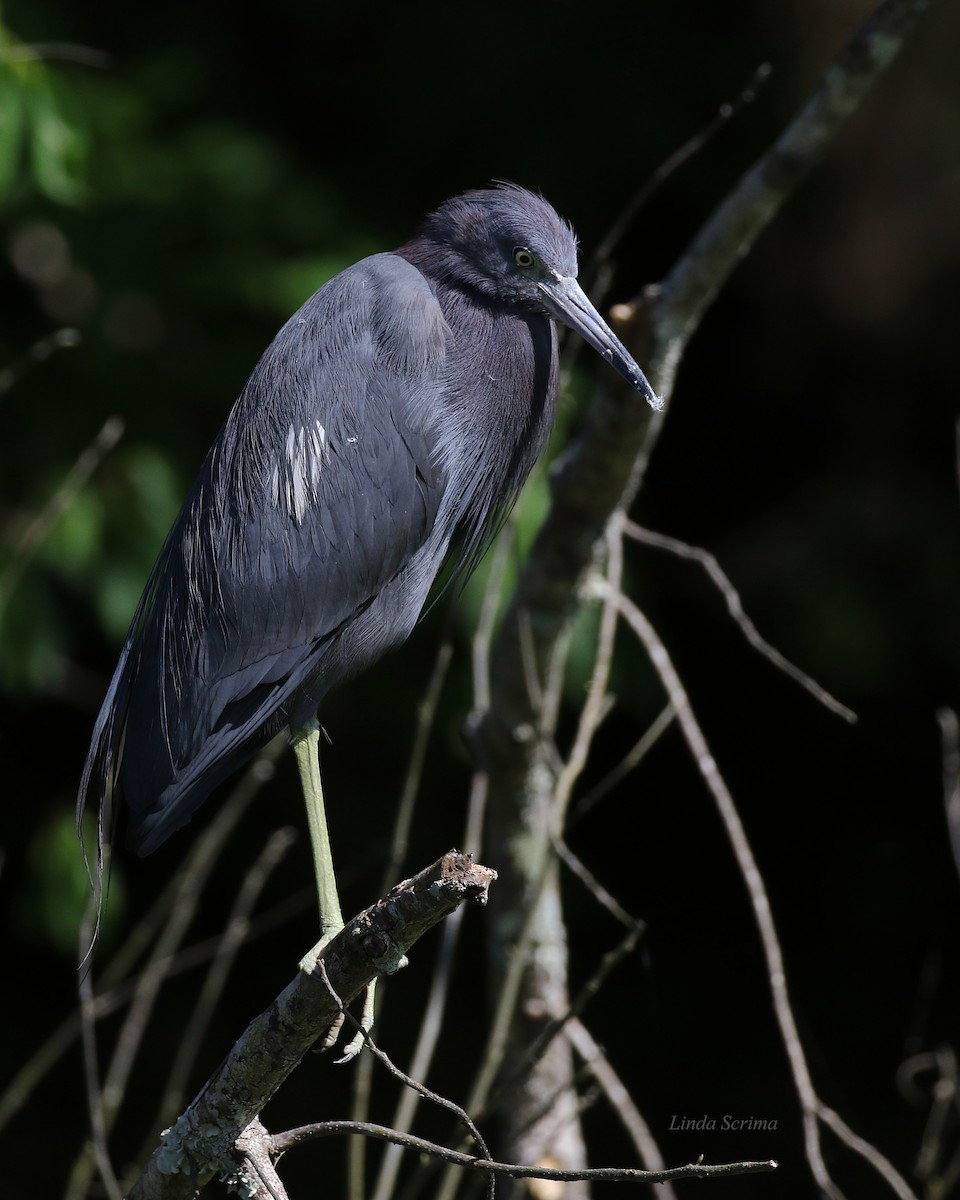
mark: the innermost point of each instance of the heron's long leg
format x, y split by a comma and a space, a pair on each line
306, 746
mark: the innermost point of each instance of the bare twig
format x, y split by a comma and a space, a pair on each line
431, 1024
595, 705
699, 1170
235, 934
950, 754
87, 56
608, 963
600, 260
203, 1138
630, 761
932, 1080
811, 1105
868, 1152
185, 896
592, 884
42, 522
734, 606
426, 718
40, 351
96, 1150
620, 1101
421, 1089
735, 224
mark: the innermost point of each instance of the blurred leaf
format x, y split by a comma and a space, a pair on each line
156, 487
144, 499
117, 598
283, 287
75, 537
58, 149
11, 127
38, 140
31, 636
235, 161
55, 893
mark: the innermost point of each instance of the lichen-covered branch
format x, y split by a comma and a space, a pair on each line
202, 1142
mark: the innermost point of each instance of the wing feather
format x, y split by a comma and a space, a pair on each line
320, 492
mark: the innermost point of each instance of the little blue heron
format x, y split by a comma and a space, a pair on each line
384, 433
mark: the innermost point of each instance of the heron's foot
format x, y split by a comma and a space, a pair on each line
367, 1016
308, 964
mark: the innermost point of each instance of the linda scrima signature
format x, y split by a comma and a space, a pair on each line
727, 1121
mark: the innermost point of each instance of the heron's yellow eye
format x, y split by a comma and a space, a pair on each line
524, 258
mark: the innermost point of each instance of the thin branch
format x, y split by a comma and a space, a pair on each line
950, 754
941, 1096
737, 222
734, 606
96, 1151
868, 1152
204, 1137
87, 56
431, 1024
185, 898
257, 1178
710, 772
37, 529
600, 260
630, 761
595, 705
486, 623
593, 884
283, 1142
426, 718
810, 1103
507, 998
44, 348
236, 931
604, 969
620, 1101
421, 1089
428, 1036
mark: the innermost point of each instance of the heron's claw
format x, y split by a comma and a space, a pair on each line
355, 1045
308, 964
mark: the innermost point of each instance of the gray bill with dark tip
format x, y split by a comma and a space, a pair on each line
569, 303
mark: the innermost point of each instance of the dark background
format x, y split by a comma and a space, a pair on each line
216, 167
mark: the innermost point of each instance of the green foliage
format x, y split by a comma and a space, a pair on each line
169, 322
77, 556
41, 144
56, 890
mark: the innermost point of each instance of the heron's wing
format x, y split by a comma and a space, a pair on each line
318, 494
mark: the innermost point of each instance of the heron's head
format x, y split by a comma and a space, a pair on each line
507, 245
503, 242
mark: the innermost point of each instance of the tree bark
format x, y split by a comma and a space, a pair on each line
202, 1143
596, 480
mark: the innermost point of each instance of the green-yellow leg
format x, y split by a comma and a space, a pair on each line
306, 746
